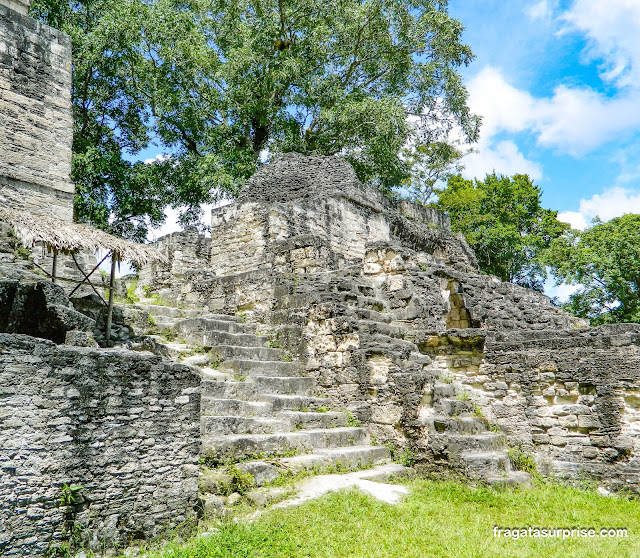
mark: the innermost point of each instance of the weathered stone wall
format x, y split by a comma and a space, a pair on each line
306, 215
20, 6
572, 397
36, 123
186, 251
123, 426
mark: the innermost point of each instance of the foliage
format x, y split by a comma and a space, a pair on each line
241, 481
429, 164
220, 86
522, 461
352, 420
437, 519
69, 495
504, 222
604, 261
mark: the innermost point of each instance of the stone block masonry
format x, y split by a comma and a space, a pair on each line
20, 6
569, 396
36, 122
123, 426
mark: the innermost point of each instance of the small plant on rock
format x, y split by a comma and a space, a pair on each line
522, 461
69, 495
352, 420
241, 481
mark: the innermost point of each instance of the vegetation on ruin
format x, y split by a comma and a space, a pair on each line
437, 519
221, 85
504, 222
604, 263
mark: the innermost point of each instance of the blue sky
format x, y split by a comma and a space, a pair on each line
558, 85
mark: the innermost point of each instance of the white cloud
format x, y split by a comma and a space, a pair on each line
613, 29
158, 158
613, 202
573, 120
576, 219
503, 158
562, 292
540, 10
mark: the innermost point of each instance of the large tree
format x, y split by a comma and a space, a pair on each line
221, 85
604, 263
504, 222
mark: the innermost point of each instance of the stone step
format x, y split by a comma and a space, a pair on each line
486, 464
511, 479
229, 390
226, 352
262, 367
202, 323
161, 325
300, 419
157, 310
371, 303
241, 446
222, 317
216, 338
444, 391
383, 328
285, 385
462, 425
457, 444
234, 407
293, 402
454, 407
229, 425
373, 315
343, 457
174, 348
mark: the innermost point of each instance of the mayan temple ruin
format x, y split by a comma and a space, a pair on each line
320, 327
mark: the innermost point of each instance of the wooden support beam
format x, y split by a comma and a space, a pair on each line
54, 265
112, 280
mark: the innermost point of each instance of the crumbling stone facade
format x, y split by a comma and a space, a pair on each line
36, 122
390, 316
122, 426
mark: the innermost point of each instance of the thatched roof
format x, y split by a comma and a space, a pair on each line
67, 237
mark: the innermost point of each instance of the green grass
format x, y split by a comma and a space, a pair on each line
438, 519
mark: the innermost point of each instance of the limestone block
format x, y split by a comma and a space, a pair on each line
386, 413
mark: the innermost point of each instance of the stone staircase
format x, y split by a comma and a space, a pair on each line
258, 409
458, 434
261, 412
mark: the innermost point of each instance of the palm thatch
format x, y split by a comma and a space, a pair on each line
63, 237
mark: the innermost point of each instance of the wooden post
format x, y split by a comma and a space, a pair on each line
54, 265
112, 280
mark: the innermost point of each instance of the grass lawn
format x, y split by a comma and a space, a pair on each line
444, 519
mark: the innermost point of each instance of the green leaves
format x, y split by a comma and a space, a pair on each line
604, 261
220, 85
503, 221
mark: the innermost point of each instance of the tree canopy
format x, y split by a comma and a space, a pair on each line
504, 222
604, 263
221, 85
